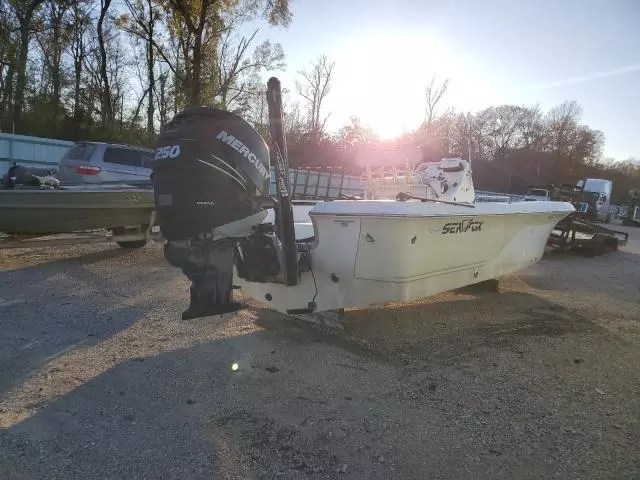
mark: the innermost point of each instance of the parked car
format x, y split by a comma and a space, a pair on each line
98, 162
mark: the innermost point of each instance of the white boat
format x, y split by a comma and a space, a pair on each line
417, 234
367, 252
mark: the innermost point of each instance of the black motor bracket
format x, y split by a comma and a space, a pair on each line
280, 160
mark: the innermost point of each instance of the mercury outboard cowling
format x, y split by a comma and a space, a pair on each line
210, 168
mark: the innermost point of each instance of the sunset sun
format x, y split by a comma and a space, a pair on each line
383, 76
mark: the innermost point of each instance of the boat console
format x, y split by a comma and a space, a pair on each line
447, 181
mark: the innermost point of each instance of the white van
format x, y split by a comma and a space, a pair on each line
99, 162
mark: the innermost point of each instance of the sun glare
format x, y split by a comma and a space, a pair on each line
381, 77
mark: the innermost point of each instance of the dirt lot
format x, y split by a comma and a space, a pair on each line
99, 378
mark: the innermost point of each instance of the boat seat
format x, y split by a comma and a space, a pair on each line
302, 224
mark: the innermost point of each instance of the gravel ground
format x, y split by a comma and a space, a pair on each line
99, 378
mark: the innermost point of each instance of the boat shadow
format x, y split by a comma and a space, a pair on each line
150, 417
184, 413
455, 326
28, 258
58, 305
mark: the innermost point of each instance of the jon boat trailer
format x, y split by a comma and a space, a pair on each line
580, 231
632, 218
125, 237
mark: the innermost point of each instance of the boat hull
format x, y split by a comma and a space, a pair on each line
29, 212
407, 253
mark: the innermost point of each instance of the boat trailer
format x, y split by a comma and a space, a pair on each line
125, 237
584, 236
632, 216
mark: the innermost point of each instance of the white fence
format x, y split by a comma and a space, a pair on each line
307, 183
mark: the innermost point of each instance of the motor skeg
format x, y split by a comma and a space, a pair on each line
209, 167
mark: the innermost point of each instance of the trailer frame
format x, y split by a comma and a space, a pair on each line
125, 237
584, 236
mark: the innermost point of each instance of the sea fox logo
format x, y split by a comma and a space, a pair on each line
241, 148
462, 227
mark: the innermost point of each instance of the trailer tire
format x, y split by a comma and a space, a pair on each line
133, 244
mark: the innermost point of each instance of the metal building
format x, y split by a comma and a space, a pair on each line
30, 151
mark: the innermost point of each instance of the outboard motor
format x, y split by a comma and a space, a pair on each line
29, 177
211, 170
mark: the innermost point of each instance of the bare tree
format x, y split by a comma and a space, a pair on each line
24, 11
202, 22
195, 17
355, 133
81, 21
314, 88
562, 122
8, 54
433, 95
294, 121
106, 81
53, 42
163, 97
531, 127
106, 107
238, 71
141, 22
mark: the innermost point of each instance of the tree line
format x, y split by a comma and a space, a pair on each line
117, 71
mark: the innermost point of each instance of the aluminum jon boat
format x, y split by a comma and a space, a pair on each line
41, 210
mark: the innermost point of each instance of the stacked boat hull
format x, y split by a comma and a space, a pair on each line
37, 211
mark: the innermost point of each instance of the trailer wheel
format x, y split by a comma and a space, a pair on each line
132, 244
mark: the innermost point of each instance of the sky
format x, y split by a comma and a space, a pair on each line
492, 51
